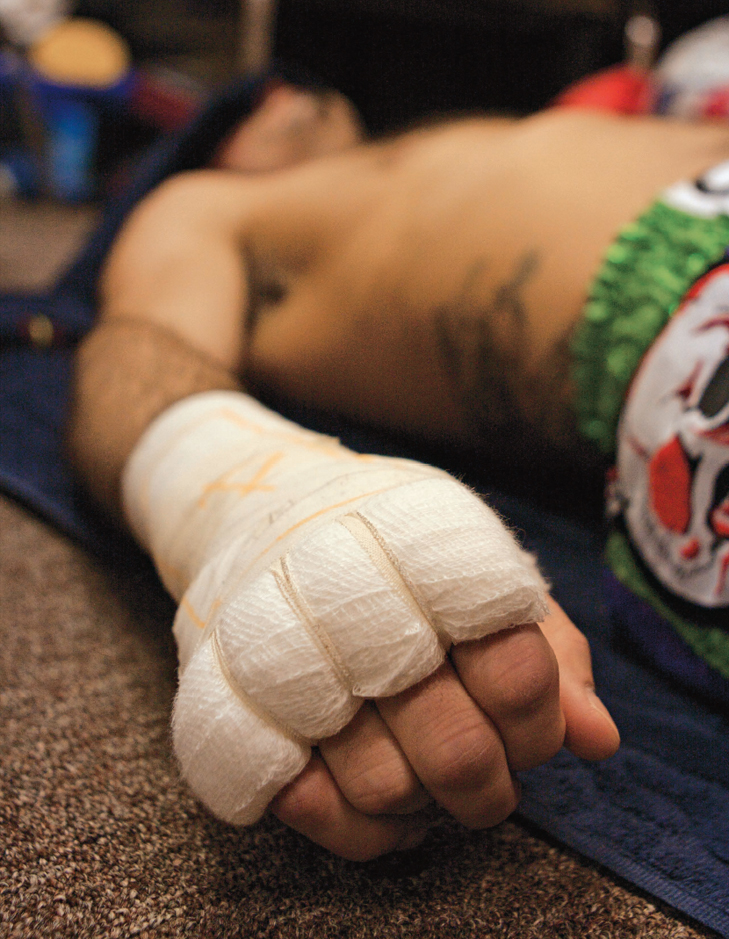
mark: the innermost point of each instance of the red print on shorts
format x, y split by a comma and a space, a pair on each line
673, 448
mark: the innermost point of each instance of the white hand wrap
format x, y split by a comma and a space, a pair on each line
311, 578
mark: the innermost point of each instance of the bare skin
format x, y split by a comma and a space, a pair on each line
428, 284
458, 256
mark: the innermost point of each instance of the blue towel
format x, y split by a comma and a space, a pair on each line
657, 813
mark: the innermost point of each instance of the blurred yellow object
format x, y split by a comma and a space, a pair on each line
81, 52
41, 331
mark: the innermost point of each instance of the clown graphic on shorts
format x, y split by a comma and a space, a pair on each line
673, 448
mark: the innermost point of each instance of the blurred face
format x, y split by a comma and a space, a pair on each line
673, 448
289, 126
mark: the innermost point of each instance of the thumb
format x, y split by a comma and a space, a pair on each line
590, 731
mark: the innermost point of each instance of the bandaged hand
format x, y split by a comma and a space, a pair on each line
312, 582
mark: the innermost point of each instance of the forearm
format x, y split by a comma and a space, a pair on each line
170, 325
127, 373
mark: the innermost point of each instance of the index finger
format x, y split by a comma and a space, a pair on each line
513, 676
454, 748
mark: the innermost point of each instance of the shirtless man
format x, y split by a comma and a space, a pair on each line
429, 284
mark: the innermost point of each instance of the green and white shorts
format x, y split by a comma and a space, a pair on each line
652, 378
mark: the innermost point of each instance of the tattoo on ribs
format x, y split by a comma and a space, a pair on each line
485, 351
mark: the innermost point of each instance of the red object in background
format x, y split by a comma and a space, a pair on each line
622, 89
717, 104
165, 98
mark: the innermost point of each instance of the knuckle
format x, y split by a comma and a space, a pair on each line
380, 793
527, 679
378, 781
300, 804
465, 760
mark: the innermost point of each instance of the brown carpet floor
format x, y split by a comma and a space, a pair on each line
100, 838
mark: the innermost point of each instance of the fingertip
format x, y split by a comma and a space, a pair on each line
592, 734
314, 806
590, 731
611, 732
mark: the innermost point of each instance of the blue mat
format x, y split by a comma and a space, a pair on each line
657, 813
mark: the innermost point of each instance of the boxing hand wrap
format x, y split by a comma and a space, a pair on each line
309, 578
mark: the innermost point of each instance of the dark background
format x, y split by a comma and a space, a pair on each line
402, 59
